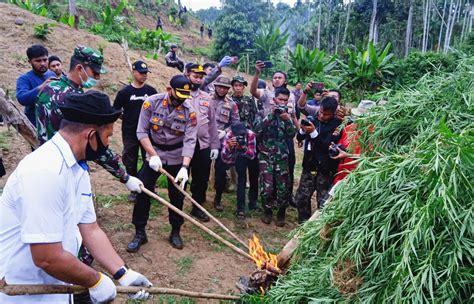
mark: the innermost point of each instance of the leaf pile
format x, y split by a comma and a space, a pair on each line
400, 228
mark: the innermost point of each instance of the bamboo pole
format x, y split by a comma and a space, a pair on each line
17, 290
171, 178
195, 222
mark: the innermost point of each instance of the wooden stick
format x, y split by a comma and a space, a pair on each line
17, 290
195, 222
284, 257
171, 178
16, 118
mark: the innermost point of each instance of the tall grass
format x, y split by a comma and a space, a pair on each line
401, 227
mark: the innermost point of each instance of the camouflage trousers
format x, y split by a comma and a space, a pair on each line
310, 182
274, 181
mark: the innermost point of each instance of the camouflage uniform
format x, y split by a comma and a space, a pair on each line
48, 119
272, 135
247, 109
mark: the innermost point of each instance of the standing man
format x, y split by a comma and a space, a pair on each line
273, 132
227, 113
201, 29
159, 23
209, 32
297, 93
167, 130
248, 111
130, 99
48, 199
207, 144
172, 60
30, 84
55, 65
84, 72
266, 96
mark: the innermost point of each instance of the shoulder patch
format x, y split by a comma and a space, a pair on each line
193, 118
146, 105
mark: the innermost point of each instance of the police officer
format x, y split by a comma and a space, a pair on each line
207, 144
227, 113
167, 130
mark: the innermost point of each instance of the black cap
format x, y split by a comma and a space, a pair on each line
238, 128
182, 86
173, 46
92, 107
140, 67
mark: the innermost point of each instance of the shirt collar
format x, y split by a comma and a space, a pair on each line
65, 149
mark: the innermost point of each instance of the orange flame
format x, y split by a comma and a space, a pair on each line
259, 255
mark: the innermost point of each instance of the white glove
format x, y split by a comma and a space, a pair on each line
214, 154
220, 134
226, 60
104, 290
133, 184
182, 177
133, 278
155, 163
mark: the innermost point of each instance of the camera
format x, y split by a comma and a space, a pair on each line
280, 110
307, 121
241, 140
333, 151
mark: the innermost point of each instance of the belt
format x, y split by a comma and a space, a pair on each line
167, 147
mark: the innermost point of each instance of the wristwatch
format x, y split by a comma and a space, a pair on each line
122, 270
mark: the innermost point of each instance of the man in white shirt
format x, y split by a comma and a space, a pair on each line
47, 200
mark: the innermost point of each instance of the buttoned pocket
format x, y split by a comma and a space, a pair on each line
178, 126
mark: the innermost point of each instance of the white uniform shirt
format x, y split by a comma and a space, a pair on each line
44, 200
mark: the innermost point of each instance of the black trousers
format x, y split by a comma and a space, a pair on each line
200, 170
242, 164
179, 65
141, 210
131, 146
220, 175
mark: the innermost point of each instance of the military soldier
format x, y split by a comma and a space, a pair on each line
167, 130
272, 132
227, 113
248, 111
207, 144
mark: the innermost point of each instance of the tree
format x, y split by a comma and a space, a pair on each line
408, 31
233, 35
372, 27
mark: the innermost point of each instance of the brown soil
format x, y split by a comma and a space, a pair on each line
203, 264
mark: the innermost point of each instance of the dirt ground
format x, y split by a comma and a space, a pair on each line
204, 264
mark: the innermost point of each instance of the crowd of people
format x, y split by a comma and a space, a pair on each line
200, 117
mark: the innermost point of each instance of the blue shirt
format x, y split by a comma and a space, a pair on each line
313, 102
27, 91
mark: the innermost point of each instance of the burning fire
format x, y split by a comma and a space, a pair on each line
263, 259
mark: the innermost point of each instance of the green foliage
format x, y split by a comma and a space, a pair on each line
68, 20
309, 65
150, 39
399, 229
269, 41
233, 35
109, 15
365, 71
32, 6
40, 31
409, 70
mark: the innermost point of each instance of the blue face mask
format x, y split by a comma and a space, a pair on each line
89, 83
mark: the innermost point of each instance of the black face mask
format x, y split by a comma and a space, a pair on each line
176, 102
101, 149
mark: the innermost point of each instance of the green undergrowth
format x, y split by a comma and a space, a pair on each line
400, 228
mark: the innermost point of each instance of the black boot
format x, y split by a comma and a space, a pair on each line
218, 203
199, 214
138, 240
281, 214
267, 215
175, 239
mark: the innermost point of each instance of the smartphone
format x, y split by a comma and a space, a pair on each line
267, 64
319, 86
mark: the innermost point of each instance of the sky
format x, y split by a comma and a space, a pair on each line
199, 4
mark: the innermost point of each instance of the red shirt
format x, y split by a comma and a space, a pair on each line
349, 140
